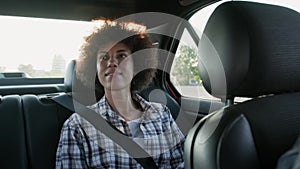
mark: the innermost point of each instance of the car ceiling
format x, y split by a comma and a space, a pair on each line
90, 9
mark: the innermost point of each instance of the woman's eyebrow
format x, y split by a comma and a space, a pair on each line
122, 50
102, 52
118, 51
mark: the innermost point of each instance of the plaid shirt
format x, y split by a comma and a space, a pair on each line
81, 145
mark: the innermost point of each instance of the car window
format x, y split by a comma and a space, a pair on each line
39, 48
184, 71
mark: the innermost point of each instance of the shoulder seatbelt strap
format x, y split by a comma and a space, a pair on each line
131, 147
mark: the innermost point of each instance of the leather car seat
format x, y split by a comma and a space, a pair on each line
251, 50
13, 140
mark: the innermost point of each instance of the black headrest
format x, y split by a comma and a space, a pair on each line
250, 49
69, 76
80, 92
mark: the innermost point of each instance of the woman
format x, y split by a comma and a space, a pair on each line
119, 52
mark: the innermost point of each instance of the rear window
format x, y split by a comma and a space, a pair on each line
39, 48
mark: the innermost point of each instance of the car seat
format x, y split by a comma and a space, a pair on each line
251, 50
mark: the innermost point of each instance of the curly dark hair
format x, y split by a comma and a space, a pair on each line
128, 33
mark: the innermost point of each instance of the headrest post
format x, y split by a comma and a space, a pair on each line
229, 101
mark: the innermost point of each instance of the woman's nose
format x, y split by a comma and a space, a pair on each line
112, 62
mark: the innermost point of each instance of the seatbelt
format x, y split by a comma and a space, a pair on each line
139, 154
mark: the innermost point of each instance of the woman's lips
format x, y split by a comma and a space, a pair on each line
111, 72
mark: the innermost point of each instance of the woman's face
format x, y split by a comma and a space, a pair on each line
115, 66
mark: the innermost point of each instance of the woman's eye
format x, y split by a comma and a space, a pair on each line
103, 57
122, 56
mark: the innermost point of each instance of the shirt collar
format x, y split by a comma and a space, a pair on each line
103, 108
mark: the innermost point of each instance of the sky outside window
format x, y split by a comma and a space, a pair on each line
36, 42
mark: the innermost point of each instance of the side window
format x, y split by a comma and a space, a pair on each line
185, 74
39, 48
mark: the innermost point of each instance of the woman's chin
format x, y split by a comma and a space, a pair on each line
116, 82
117, 86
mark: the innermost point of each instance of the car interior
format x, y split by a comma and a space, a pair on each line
247, 63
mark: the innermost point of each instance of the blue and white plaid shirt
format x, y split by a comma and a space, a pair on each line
81, 145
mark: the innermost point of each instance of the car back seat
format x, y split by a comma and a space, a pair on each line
13, 154
43, 122
30, 130
31, 126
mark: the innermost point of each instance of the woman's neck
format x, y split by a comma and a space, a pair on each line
122, 103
